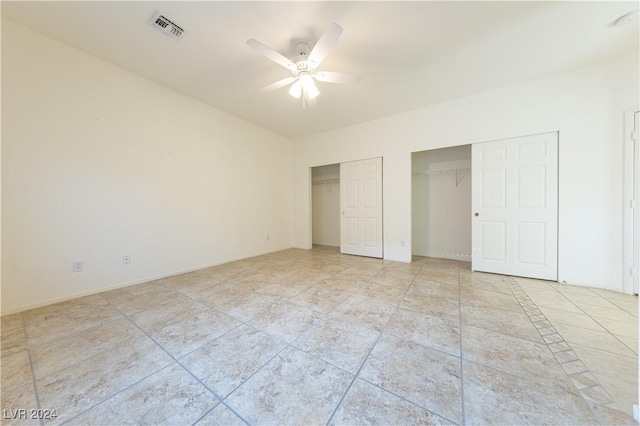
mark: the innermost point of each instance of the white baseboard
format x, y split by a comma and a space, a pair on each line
128, 283
441, 255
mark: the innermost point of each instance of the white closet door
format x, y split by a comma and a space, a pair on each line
515, 205
361, 207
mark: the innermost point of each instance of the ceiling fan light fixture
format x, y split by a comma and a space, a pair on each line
296, 89
311, 91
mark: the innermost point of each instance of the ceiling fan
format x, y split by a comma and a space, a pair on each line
305, 66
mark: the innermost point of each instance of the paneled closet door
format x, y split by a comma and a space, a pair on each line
361, 207
515, 206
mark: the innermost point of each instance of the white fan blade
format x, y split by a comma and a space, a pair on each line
338, 77
325, 44
271, 54
278, 84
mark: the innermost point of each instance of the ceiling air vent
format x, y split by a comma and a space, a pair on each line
166, 26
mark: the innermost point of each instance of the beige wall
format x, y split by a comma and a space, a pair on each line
98, 163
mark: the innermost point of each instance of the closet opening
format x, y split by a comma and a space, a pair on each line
325, 205
441, 203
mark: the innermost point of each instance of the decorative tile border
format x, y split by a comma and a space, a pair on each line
592, 392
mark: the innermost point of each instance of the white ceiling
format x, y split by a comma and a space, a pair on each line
409, 54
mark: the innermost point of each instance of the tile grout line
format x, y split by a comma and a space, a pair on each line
461, 355
205, 415
110, 397
583, 312
615, 336
115, 394
356, 375
35, 387
598, 295
364, 361
592, 393
594, 318
177, 361
289, 345
34, 382
32, 368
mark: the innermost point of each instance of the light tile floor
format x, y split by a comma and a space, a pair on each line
315, 337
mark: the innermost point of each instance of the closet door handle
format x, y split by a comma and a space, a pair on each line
476, 214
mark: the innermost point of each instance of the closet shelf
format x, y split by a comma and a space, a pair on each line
459, 173
326, 181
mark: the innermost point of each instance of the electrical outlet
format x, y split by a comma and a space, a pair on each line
268, 237
126, 259
402, 243
77, 266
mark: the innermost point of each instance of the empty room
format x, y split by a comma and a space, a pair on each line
319, 213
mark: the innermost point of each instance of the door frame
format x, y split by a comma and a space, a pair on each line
631, 197
454, 256
310, 199
311, 183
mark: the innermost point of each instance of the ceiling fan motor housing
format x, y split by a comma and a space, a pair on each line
302, 49
302, 64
